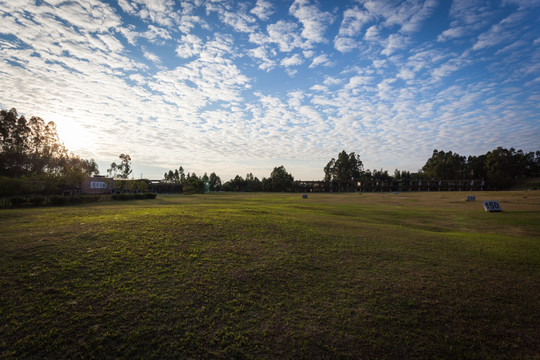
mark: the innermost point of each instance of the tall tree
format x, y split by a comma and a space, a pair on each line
281, 180
446, 166
476, 167
122, 170
346, 167
329, 170
215, 182
31, 148
503, 166
182, 174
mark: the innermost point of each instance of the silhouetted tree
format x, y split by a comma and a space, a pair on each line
32, 149
122, 170
503, 166
215, 182
445, 165
380, 175
476, 167
281, 180
345, 167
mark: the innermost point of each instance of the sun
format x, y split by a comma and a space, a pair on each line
74, 136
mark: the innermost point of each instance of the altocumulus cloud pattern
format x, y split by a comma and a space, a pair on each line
243, 86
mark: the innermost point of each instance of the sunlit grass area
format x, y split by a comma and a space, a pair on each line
273, 275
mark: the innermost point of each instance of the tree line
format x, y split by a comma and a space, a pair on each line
31, 151
500, 167
279, 180
179, 181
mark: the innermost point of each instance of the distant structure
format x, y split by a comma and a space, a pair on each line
97, 185
390, 185
101, 185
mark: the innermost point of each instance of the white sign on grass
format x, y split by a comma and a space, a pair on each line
492, 206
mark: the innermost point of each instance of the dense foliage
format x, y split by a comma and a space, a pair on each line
279, 181
500, 166
177, 181
345, 167
31, 153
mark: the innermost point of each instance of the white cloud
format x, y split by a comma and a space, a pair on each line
321, 60
261, 54
499, 33
294, 60
240, 22
372, 33
405, 74
263, 9
308, 53
353, 21
319, 88
160, 12
467, 17
189, 46
209, 108
313, 20
394, 43
358, 81
345, 44
415, 21
452, 33
156, 34
408, 15
284, 35
111, 43
138, 78
151, 56
331, 81
88, 15
127, 7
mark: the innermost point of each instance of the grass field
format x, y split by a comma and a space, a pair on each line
262, 276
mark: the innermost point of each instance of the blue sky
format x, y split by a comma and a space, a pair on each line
244, 86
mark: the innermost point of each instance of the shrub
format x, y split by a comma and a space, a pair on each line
59, 200
136, 196
76, 199
122, 197
18, 201
38, 200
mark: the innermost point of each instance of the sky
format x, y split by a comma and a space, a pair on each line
237, 87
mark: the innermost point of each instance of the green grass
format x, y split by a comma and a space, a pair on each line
413, 275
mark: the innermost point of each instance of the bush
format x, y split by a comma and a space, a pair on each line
121, 197
59, 200
136, 196
38, 200
76, 199
11, 186
18, 201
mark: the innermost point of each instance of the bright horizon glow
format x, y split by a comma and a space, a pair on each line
245, 86
75, 137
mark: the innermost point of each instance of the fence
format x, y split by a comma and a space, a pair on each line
391, 185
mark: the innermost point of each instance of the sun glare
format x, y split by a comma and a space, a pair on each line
73, 135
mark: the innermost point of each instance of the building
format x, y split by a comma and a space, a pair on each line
97, 185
